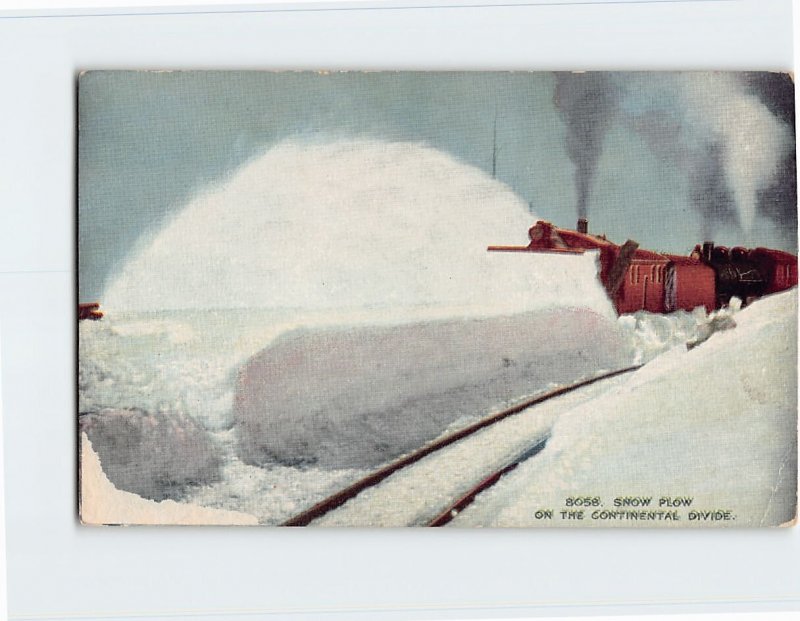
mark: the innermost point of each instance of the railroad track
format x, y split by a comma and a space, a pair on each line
351, 491
467, 498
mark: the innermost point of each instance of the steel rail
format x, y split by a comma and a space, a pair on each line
339, 498
467, 498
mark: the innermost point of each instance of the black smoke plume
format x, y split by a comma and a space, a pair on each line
587, 102
708, 190
778, 201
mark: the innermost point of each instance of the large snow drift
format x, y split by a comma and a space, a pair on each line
103, 503
356, 397
156, 455
717, 424
351, 225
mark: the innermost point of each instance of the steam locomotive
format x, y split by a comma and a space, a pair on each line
638, 279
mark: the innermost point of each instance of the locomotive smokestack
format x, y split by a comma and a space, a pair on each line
708, 247
583, 225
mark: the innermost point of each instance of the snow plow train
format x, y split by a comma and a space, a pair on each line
638, 279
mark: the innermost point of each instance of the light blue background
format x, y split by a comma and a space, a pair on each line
57, 568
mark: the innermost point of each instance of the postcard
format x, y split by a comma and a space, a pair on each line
450, 299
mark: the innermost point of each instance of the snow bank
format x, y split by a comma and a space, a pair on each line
272, 494
102, 503
652, 334
350, 225
717, 424
179, 362
155, 455
356, 397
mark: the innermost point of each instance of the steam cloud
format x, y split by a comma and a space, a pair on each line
348, 225
720, 109
713, 125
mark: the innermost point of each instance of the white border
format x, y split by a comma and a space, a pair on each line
57, 569
67, 7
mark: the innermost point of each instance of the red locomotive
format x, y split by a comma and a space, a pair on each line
637, 279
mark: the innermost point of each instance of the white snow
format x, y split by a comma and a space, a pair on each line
352, 224
272, 493
653, 334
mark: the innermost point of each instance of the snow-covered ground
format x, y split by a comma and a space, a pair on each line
716, 425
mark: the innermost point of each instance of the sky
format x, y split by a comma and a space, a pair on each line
667, 159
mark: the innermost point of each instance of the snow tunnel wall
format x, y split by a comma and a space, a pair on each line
357, 397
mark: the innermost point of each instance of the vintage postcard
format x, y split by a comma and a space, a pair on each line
462, 299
